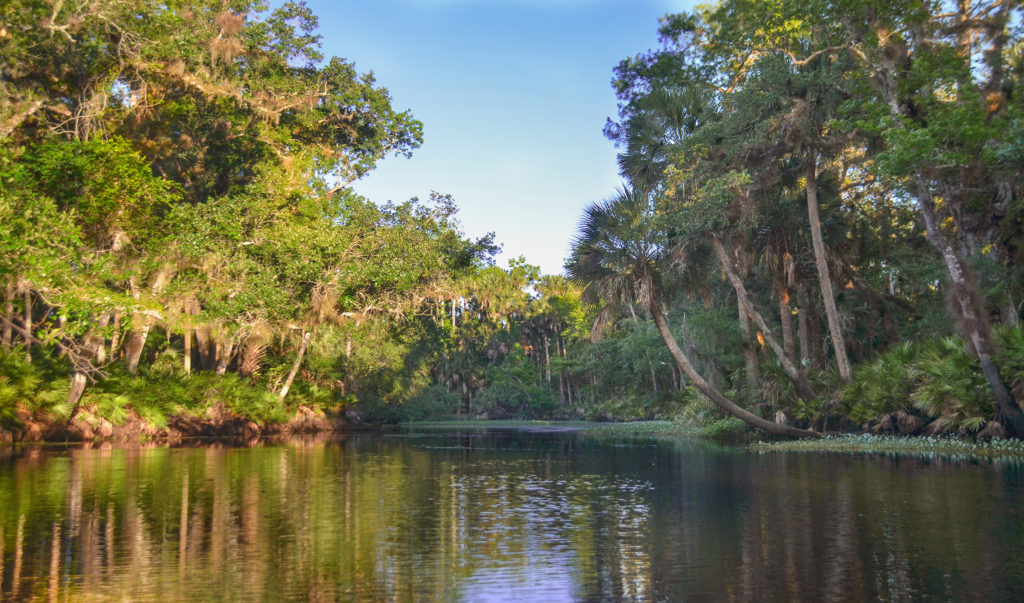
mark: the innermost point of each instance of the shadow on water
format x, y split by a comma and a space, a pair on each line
507, 514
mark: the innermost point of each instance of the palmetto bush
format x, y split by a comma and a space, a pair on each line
36, 386
883, 385
938, 379
951, 388
1011, 358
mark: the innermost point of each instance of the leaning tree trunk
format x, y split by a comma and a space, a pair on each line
821, 262
719, 400
95, 350
295, 366
973, 322
802, 386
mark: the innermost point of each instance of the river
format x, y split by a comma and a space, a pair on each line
492, 515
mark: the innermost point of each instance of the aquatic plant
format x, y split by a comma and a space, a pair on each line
945, 447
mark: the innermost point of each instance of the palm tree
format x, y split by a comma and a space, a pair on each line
671, 121
621, 255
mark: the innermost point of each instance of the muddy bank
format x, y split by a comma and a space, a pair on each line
217, 421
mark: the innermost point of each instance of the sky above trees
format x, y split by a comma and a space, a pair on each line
513, 95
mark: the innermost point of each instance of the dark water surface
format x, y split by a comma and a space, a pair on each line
503, 515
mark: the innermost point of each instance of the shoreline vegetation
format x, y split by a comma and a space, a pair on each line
734, 432
820, 229
219, 423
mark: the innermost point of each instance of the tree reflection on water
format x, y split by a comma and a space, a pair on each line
500, 515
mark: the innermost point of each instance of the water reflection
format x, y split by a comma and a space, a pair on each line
505, 515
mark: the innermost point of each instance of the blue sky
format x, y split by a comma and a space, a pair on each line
513, 95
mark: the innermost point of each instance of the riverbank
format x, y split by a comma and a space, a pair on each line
216, 421
219, 421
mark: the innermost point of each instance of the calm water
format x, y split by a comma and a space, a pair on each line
503, 515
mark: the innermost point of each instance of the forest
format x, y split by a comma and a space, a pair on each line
819, 229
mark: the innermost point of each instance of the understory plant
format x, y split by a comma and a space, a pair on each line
937, 379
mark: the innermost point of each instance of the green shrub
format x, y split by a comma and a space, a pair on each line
39, 385
952, 388
883, 385
937, 378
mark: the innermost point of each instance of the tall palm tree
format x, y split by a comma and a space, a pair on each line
669, 123
662, 121
621, 255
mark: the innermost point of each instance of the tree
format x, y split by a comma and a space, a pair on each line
622, 255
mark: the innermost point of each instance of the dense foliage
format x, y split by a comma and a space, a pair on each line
173, 189
849, 165
819, 228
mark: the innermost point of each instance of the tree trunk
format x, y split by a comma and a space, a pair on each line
224, 351
802, 386
749, 352
187, 354
786, 319
821, 262
203, 347
100, 343
787, 279
8, 334
62, 323
75, 392
95, 349
1010, 315
295, 366
26, 325
718, 399
547, 360
972, 321
803, 323
135, 344
115, 336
